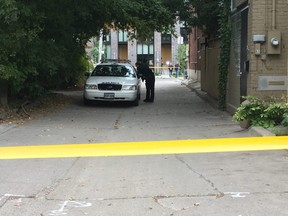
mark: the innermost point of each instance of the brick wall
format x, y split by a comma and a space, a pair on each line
260, 23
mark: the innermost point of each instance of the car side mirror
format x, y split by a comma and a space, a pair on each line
87, 74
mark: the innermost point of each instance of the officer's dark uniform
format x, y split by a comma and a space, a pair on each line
147, 74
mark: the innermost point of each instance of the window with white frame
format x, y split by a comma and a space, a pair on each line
122, 36
145, 48
108, 51
233, 5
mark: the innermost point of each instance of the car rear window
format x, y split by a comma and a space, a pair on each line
113, 70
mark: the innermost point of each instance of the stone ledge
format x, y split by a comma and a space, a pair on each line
279, 130
260, 132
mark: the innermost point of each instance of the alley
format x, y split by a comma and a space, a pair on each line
217, 184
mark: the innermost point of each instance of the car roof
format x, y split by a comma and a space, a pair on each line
115, 61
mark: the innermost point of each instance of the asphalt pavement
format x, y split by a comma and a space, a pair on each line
243, 183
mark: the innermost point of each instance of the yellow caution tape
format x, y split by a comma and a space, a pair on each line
145, 148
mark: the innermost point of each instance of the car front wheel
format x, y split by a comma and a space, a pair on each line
136, 102
86, 101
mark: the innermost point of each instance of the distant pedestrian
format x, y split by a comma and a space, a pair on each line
177, 70
170, 68
149, 77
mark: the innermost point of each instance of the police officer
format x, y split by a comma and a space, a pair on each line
147, 74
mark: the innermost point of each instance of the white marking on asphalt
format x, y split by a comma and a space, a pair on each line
14, 195
72, 204
18, 200
237, 194
11, 197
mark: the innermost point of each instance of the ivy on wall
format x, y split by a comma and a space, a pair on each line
225, 37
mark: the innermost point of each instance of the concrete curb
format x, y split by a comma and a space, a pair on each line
260, 132
195, 86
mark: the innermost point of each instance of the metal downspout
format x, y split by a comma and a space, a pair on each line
273, 14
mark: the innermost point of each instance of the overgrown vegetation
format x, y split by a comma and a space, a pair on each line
182, 57
285, 120
264, 113
42, 43
202, 14
225, 44
212, 17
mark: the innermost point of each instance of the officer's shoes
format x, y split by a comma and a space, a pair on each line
149, 101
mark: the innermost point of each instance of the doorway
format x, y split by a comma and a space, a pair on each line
244, 62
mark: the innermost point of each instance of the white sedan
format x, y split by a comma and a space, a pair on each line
113, 82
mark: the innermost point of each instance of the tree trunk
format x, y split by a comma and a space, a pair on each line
3, 92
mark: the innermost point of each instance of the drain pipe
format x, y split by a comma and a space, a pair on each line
273, 14
100, 46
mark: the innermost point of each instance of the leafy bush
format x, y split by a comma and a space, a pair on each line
285, 120
262, 113
181, 58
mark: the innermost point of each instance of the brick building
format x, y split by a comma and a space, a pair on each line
258, 60
259, 57
161, 49
259, 54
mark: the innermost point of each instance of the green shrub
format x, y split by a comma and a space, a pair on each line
262, 113
285, 120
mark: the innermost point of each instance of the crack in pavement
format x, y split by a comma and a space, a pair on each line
116, 124
7, 197
163, 201
49, 189
219, 193
155, 198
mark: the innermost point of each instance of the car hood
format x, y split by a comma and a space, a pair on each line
115, 80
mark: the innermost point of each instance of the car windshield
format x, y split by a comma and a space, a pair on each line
113, 70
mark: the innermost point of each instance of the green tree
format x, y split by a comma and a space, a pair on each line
202, 14
42, 43
19, 28
182, 57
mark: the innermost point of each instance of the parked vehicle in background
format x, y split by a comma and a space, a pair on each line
113, 80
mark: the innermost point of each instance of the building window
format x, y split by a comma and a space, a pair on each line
233, 5
151, 49
166, 38
145, 48
139, 49
145, 53
184, 31
184, 35
107, 51
122, 36
106, 38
